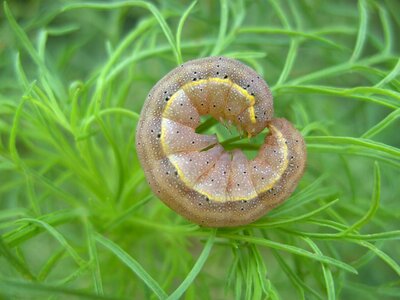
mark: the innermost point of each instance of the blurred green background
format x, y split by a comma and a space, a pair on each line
77, 218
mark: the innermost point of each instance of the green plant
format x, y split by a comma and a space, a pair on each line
77, 217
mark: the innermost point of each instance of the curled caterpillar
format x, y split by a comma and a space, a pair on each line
191, 172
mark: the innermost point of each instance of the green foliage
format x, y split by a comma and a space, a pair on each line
77, 218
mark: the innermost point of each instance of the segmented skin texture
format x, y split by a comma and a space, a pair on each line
191, 172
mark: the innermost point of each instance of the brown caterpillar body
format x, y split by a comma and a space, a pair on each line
191, 172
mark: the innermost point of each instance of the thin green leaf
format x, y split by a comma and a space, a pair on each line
390, 76
390, 235
270, 223
26, 231
340, 68
376, 196
389, 151
387, 29
15, 261
362, 30
180, 27
386, 122
290, 58
291, 249
290, 33
132, 264
126, 214
50, 264
335, 91
329, 282
198, 266
13, 134
147, 5
94, 258
223, 25
58, 236
46, 77
299, 284
9, 287
353, 150
23, 38
386, 258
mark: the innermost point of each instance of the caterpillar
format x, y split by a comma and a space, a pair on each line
192, 173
